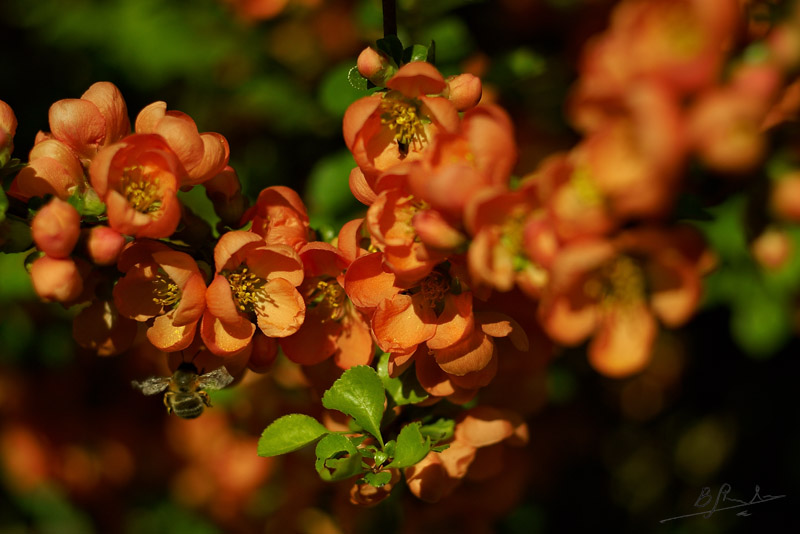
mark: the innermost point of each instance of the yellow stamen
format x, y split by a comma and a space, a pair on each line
167, 292
585, 187
330, 296
246, 288
620, 281
403, 117
140, 189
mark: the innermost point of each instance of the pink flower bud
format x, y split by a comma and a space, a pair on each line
104, 245
56, 279
435, 231
373, 66
464, 91
56, 228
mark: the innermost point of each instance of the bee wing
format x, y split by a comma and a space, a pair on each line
216, 379
152, 385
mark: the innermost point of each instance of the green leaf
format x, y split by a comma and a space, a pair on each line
404, 389
87, 203
431, 53
289, 433
411, 446
440, 430
3, 205
392, 47
337, 458
415, 53
358, 82
15, 236
359, 393
760, 320
378, 479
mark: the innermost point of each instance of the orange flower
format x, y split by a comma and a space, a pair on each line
203, 156
96, 120
53, 169
514, 240
8, 127
56, 279
677, 44
332, 325
225, 192
459, 164
382, 130
162, 285
280, 217
138, 179
439, 473
255, 284
616, 289
101, 328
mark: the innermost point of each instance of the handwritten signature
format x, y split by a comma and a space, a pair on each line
722, 497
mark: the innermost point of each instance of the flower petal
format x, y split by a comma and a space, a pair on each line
469, 355
314, 342
167, 336
367, 283
624, 340
219, 300
193, 301
225, 339
455, 322
402, 322
282, 310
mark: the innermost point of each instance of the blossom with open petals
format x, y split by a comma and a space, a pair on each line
254, 284
163, 287
332, 325
203, 155
138, 179
8, 127
614, 290
384, 129
280, 217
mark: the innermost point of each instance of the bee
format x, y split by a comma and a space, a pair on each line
185, 396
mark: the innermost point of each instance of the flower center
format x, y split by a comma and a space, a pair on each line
140, 189
403, 118
246, 288
331, 298
620, 281
434, 287
585, 188
167, 293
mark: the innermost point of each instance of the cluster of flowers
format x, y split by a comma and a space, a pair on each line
589, 238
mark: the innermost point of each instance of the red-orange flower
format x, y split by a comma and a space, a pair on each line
53, 169
203, 155
95, 120
138, 179
8, 127
280, 217
254, 284
384, 129
332, 325
615, 290
162, 285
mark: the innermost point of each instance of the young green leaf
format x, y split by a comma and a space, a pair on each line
356, 80
415, 53
359, 393
440, 430
378, 479
337, 458
289, 433
404, 389
411, 447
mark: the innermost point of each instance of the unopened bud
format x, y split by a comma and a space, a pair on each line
56, 228
772, 249
464, 91
785, 197
104, 245
375, 67
56, 279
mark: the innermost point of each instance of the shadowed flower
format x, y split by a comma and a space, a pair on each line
163, 287
332, 325
8, 127
615, 290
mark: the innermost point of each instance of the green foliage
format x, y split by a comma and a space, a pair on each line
404, 389
337, 458
440, 430
411, 446
341, 86
3, 205
328, 194
289, 433
87, 203
359, 393
378, 479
